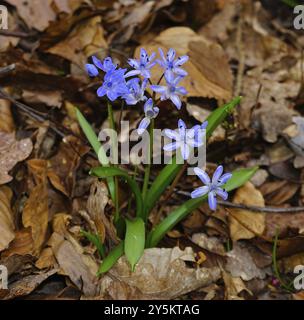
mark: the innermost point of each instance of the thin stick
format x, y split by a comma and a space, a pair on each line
7, 69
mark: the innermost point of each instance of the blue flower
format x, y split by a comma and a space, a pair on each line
212, 187
106, 66
136, 91
170, 65
171, 91
114, 85
141, 66
150, 113
185, 139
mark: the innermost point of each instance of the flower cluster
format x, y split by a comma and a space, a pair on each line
132, 87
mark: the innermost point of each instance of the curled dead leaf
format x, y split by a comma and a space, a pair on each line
12, 152
245, 224
7, 226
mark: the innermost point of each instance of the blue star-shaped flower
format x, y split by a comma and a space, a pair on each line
212, 187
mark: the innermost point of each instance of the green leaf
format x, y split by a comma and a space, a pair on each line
97, 147
238, 178
167, 175
111, 258
95, 239
106, 172
134, 241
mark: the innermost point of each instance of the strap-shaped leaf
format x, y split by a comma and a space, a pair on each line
134, 241
97, 147
106, 172
95, 239
238, 178
111, 258
167, 175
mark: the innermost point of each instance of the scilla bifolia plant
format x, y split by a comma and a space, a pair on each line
135, 87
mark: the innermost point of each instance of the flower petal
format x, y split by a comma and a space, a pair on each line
180, 72
143, 125
148, 105
158, 89
171, 55
176, 101
132, 73
222, 193
133, 63
202, 175
91, 70
101, 91
171, 146
225, 177
199, 192
212, 201
216, 176
204, 125
181, 60
185, 151
97, 63
172, 134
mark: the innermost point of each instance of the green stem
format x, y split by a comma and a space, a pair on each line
148, 167
114, 144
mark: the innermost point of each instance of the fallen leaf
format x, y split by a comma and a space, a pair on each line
7, 226
241, 264
35, 213
21, 245
234, 286
96, 204
211, 244
6, 118
74, 264
85, 40
50, 98
246, 224
162, 273
26, 285
202, 80
12, 152
35, 13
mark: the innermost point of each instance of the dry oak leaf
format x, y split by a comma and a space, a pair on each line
7, 226
241, 264
86, 39
206, 58
162, 273
35, 213
35, 13
79, 267
12, 152
245, 224
233, 287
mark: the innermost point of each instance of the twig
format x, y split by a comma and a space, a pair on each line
16, 34
7, 69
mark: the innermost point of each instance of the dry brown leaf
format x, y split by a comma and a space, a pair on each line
35, 213
12, 152
79, 267
96, 204
282, 222
21, 245
245, 224
50, 98
241, 264
162, 273
85, 40
27, 284
6, 118
6, 42
7, 226
46, 259
211, 244
234, 286
203, 80
35, 13
65, 163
